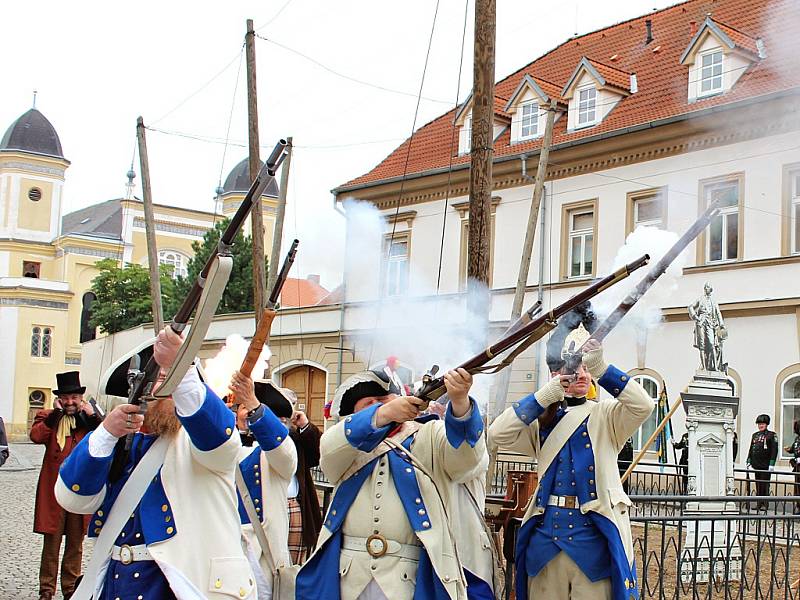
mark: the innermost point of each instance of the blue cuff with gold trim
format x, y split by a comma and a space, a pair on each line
211, 425
528, 409
360, 432
83, 473
614, 381
268, 430
469, 427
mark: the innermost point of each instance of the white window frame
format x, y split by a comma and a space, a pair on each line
586, 106
658, 221
466, 132
638, 437
724, 215
176, 260
397, 267
705, 73
530, 120
794, 214
787, 441
587, 240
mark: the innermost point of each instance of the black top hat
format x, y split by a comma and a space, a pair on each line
69, 383
581, 314
274, 398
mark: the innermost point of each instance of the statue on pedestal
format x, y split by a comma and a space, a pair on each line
709, 331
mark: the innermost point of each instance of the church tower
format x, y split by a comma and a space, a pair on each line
32, 167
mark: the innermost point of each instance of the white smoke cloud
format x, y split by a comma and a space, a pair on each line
646, 314
219, 369
420, 330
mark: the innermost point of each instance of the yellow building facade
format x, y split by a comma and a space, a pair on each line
48, 259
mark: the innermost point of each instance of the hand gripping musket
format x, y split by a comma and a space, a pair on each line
523, 333
204, 296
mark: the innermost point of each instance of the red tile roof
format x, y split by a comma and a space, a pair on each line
742, 40
662, 80
302, 292
613, 76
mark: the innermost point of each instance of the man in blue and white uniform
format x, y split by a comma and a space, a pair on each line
575, 540
183, 539
387, 534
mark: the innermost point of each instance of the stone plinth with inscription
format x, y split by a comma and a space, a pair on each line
711, 411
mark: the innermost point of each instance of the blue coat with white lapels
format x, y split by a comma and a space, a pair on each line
595, 432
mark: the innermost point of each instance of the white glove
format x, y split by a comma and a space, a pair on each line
551, 393
594, 362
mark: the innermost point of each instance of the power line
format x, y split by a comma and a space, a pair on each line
348, 77
275, 16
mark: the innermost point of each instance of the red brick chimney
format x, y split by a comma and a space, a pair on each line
692, 28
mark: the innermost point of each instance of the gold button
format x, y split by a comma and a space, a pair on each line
99, 513
136, 576
228, 431
426, 524
584, 434
255, 467
98, 522
218, 583
97, 530
167, 519
75, 487
591, 467
170, 530
256, 501
279, 438
588, 445
591, 482
164, 508
242, 592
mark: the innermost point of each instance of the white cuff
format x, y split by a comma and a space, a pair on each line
190, 394
101, 442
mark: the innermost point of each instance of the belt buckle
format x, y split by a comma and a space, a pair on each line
125, 554
377, 545
570, 501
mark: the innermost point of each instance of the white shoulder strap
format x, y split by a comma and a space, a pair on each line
120, 513
250, 509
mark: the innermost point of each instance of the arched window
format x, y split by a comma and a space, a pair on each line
87, 331
36, 341
790, 410
651, 386
176, 260
47, 341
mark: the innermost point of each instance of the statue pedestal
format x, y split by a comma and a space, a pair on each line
711, 410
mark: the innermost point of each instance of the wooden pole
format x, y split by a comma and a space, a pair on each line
277, 233
256, 215
651, 439
481, 151
150, 229
527, 248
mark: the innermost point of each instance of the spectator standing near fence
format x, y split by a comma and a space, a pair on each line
305, 516
762, 456
60, 429
794, 451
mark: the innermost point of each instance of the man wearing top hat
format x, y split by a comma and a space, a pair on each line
183, 538
267, 466
386, 534
60, 429
575, 540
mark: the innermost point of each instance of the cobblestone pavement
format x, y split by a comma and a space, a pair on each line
20, 548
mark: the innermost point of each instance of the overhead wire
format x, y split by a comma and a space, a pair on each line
275, 16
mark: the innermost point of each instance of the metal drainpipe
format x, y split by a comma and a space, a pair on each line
540, 295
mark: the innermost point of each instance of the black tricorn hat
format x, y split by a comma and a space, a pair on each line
69, 383
362, 385
763, 419
115, 380
580, 315
274, 398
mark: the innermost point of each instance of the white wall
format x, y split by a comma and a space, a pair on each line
9, 321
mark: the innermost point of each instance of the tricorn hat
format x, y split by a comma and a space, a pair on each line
763, 419
278, 400
567, 337
376, 382
114, 381
69, 383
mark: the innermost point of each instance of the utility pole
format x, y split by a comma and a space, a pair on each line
256, 215
481, 154
277, 234
527, 249
150, 229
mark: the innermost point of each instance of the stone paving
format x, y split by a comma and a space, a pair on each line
20, 548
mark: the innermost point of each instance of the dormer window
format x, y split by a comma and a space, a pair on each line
711, 72
587, 104
465, 138
529, 124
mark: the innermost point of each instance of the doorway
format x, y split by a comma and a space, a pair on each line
309, 385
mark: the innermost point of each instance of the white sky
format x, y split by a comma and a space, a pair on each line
97, 66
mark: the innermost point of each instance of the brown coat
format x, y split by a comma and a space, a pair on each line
48, 514
307, 444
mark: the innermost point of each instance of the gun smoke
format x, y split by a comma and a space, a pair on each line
219, 369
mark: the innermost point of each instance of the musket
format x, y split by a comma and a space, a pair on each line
573, 360
261, 335
525, 334
201, 296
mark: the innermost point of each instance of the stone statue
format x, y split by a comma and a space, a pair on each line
709, 331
